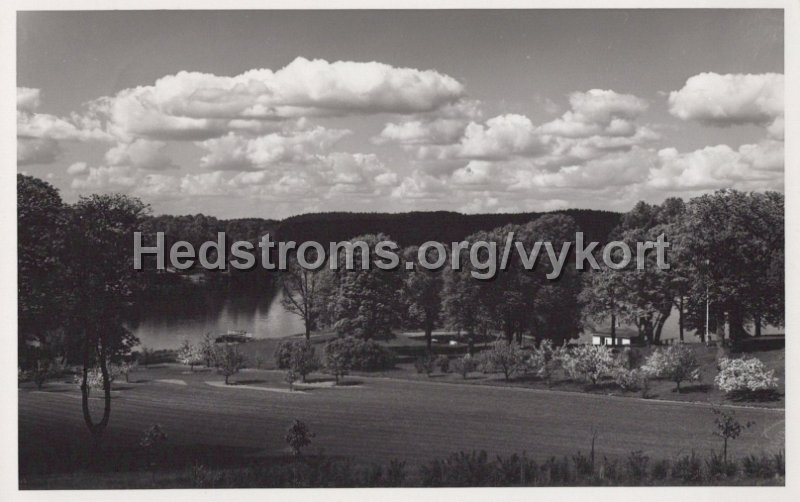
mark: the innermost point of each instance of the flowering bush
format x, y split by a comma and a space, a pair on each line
745, 375
504, 357
94, 378
189, 355
629, 379
545, 359
589, 363
124, 368
676, 363
464, 365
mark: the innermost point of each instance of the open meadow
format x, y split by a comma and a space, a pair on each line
371, 419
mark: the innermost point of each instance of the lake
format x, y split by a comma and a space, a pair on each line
165, 325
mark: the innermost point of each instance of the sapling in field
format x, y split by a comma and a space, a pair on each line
152, 443
298, 437
229, 361
727, 427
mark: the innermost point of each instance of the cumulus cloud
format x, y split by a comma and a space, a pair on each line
78, 168
28, 99
39, 134
418, 132
597, 112
598, 122
617, 169
197, 106
238, 152
420, 185
753, 165
105, 177
37, 151
140, 153
724, 100
480, 174
501, 137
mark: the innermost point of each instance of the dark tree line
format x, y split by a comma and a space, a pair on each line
726, 256
726, 251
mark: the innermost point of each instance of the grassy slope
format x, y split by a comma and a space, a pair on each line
703, 390
380, 419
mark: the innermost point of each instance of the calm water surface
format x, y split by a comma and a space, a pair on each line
163, 326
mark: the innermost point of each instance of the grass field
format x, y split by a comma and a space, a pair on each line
374, 419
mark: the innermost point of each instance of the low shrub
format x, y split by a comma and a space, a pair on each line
762, 466
283, 352
556, 472
636, 466
369, 355
718, 467
609, 470
443, 363
689, 469
545, 359
459, 469
660, 469
360, 355
43, 370
583, 464
514, 470
503, 357
780, 463
676, 363
630, 380
589, 363
424, 364
464, 365
745, 376
395, 473
476, 469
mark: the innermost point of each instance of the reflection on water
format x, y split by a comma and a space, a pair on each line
191, 316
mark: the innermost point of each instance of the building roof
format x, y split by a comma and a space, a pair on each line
621, 332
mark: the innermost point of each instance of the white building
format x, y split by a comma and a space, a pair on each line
620, 339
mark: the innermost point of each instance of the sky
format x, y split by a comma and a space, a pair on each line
276, 113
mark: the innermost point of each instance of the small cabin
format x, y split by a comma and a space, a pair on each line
621, 339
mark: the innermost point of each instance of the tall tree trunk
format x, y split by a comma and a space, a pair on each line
680, 318
613, 329
508, 331
720, 327
662, 319
429, 339
96, 429
757, 321
646, 329
736, 324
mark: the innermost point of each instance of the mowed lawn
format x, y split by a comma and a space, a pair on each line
379, 419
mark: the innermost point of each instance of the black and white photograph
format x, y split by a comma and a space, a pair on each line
398, 248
